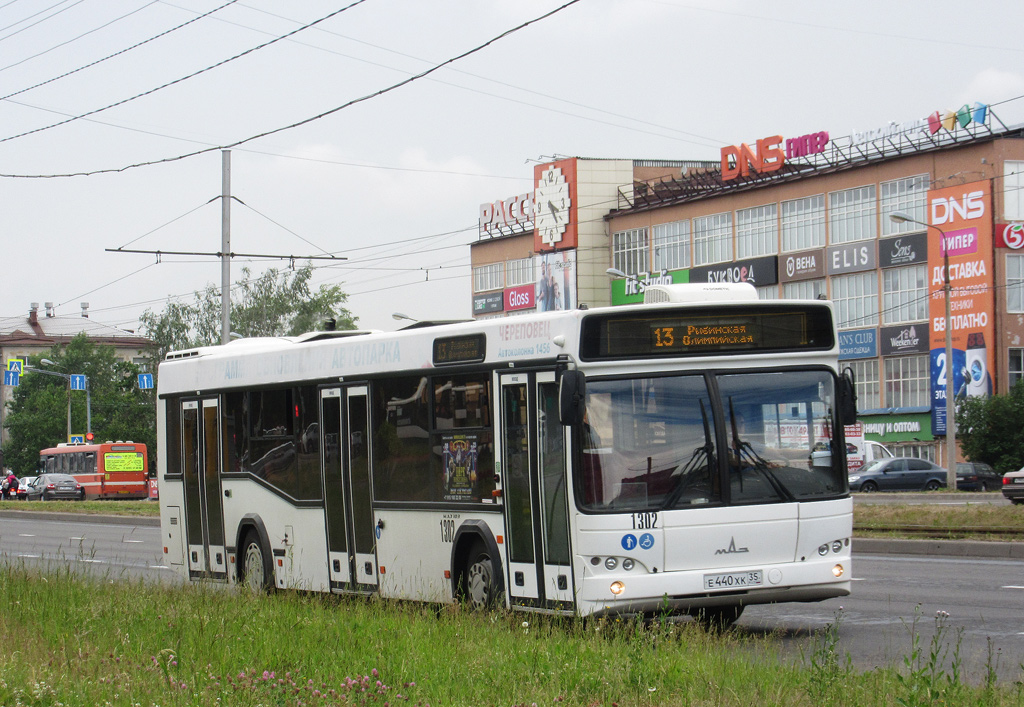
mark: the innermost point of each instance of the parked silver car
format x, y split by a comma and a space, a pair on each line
1013, 485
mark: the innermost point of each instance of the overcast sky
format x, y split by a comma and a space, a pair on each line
394, 182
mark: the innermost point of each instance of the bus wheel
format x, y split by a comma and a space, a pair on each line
257, 572
717, 618
481, 584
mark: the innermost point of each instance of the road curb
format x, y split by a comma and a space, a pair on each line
945, 548
149, 521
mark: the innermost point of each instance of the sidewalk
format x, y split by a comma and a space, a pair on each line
944, 548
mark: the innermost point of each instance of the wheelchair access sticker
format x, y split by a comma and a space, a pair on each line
629, 541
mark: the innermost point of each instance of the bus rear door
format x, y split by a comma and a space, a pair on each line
201, 462
535, 492
345, 468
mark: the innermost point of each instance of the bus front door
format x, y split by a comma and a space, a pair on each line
204, 516
345, 468
535, 493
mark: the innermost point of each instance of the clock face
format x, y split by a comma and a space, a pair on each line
551, 206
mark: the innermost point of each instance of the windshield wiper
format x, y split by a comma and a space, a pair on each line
746, 453
708, 454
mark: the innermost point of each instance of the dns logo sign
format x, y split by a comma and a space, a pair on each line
945, 209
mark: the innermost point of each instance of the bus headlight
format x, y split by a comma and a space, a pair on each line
617, 588
837, 571
627, 564
611, 563
837, 545
823, 549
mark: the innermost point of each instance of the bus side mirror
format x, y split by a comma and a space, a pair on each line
847, 398
572, 396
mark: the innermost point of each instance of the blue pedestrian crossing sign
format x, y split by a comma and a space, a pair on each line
12, 378
145, 381
76, 439
78, 381
16, 364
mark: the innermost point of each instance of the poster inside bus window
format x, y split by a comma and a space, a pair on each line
459, 454
681, 332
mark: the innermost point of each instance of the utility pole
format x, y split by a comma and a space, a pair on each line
225, 247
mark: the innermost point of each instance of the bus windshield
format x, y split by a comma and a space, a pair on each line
654, 443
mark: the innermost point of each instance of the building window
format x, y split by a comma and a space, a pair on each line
805, 289
757, 231
630, 252
803, 223
768, 292
865, 375
712, 239
915, 451
672, 245
908, 195
488, 277
905, 294
1016, 366
907, 384
856, 299
519, 272
852, 214
1015, 283
1013, 190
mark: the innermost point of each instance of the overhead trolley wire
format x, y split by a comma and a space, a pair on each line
183, 78
75, 39
100, 61
305, 121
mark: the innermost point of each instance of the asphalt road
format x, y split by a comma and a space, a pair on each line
894, 596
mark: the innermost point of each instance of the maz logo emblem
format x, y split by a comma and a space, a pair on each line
732, 549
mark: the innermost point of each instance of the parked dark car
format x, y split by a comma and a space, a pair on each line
899, 474
977, 476
1013, 485
50, 487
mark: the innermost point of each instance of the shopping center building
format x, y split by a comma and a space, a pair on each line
806, 216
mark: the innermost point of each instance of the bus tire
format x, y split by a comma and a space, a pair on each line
481, 586
256, 570
717, 618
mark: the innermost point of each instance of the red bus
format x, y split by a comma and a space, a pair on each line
107, 470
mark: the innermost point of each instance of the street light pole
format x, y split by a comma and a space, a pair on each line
67, 377
901, 217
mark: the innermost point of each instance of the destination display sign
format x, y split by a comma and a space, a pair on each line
460, 349
704, 331
123, 461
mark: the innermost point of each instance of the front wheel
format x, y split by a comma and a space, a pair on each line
257, 573
869, 487
481, 584
932, 485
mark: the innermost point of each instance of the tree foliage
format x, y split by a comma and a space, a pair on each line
276, 303
37, 417
990, 430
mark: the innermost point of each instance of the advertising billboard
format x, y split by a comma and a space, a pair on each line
964, 214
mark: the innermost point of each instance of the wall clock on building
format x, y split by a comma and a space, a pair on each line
551, 206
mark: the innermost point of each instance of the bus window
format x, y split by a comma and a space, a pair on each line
651, 445
90, 463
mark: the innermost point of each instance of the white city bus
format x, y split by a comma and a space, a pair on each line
685, 456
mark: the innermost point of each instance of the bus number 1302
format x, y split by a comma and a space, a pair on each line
447, 530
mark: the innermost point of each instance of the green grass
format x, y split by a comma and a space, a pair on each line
120, 508
73, 641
